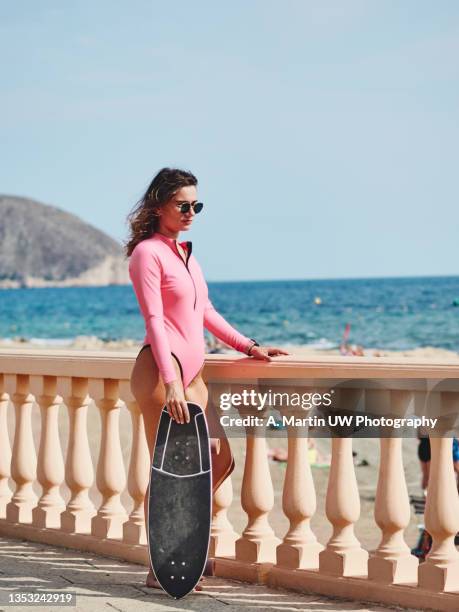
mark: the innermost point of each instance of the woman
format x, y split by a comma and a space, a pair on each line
173, 299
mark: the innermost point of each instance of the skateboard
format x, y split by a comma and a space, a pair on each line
180, 502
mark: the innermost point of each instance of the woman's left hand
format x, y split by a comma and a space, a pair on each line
266, 352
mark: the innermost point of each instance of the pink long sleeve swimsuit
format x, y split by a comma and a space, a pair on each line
173, 299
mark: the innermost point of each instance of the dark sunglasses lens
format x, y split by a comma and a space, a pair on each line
185, 207
198, 207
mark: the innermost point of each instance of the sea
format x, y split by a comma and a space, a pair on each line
385, 313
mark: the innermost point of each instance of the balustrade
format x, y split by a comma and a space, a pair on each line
71, 386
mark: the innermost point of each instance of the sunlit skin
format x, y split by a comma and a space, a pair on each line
171, 220
170, 223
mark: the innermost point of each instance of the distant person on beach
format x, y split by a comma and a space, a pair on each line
349, 349
173, 299
424, 456
345, 348
424, 544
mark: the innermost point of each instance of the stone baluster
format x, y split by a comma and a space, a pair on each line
392, 562
111, 474
440, 571
79, 472
5, 450
134, 531
257, 543
300, 548
24, 458
50, 471
343, 555
222, 536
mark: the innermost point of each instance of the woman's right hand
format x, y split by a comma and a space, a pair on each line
176, 403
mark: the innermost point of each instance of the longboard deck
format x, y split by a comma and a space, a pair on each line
180, 502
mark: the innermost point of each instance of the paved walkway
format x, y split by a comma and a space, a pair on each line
111, 585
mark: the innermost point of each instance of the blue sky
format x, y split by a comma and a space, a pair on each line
324, 134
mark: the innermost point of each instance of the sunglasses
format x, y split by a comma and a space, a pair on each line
184, 207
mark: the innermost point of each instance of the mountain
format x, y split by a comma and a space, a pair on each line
41, 245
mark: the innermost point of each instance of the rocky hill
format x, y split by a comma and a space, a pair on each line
42, 245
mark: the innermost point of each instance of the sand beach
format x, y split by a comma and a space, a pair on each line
93, 343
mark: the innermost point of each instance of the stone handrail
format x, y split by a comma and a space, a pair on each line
75, 381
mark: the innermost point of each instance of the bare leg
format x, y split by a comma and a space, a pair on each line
223, 462
425, 469
148, 389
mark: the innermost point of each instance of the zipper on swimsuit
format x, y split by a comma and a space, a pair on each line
189, 246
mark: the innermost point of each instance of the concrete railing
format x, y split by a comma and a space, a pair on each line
75, 381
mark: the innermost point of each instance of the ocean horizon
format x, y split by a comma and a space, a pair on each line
391, 313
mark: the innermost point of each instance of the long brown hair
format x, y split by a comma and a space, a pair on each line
142, 219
